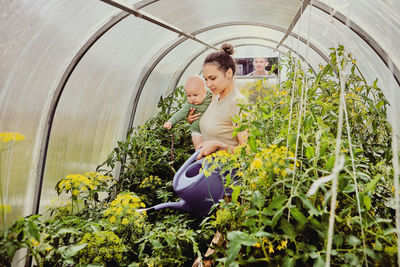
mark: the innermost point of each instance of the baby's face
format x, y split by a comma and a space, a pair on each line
195, 94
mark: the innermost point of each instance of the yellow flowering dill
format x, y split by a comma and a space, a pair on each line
123, 210
151, 182
256, 164
217, 160
8, 137
125, 221
83, 183
102, 247
112, 219
276, 170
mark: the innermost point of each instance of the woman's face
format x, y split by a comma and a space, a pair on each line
260, 64
216, 80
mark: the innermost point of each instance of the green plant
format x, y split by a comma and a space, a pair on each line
151, 151
101, 247
171, 242
84, 192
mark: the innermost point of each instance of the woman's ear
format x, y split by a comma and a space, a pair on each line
229, 73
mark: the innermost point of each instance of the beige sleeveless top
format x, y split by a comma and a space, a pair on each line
216, 122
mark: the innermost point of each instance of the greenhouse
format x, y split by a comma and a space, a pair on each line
304, 170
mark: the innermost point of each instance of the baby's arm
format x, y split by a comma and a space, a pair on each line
178, 116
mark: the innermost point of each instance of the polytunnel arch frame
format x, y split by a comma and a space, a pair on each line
143, 78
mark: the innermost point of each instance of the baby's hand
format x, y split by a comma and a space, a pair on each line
167, 125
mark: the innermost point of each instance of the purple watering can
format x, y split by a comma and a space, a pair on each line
197, 192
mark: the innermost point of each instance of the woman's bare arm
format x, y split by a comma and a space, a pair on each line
208, 147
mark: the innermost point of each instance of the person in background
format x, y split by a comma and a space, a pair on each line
259, 64
198, 98
216, 125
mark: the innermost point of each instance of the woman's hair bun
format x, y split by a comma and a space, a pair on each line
227, 48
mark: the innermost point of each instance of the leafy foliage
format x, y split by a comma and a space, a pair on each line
151, 151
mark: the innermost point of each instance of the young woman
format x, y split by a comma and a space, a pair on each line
216, 124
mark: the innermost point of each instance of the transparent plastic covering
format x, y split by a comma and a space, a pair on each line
76, 75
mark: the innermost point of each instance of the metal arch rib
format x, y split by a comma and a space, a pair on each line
54, 103
132, 10
296, 18
269, 26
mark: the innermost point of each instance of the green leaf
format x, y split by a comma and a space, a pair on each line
349, 188
311, 209
319, 262
310, 152
276, 203
330, 163
258, 199
70, 251
298, 216
252, 143
353, 241
251, 212
263, 234
338, 240
276, 218
236, 193
367, 202
288, 229
288, 261
371, 185
33, 230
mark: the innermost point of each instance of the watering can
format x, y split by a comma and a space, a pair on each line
196, 191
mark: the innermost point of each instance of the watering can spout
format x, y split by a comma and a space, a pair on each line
180, 205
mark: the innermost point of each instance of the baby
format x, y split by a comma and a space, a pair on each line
199, 98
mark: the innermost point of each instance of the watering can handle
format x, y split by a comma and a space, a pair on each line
192, 157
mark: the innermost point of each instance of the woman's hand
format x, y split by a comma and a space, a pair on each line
208, 147
192, 117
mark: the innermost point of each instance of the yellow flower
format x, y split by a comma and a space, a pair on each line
271, 249
75, 192
119, 210
112, 219
283, 245
257, 245
125, 221
34, 242
7, 137
256, 164
276, 170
